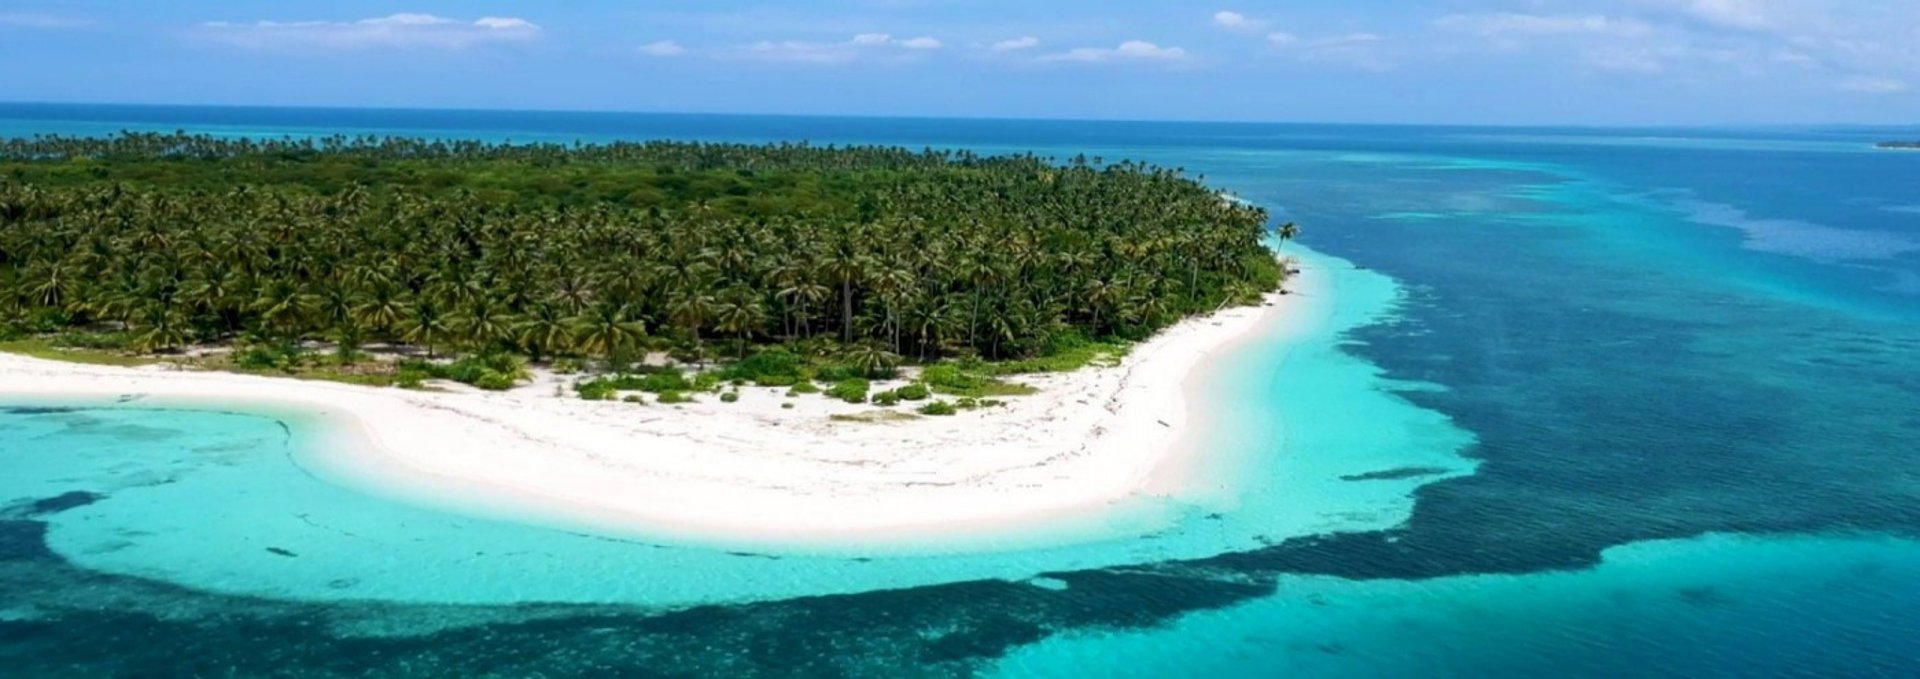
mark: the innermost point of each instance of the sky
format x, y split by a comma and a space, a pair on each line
1581, 62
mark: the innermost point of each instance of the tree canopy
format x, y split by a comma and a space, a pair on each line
602, 250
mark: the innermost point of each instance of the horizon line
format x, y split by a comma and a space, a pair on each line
981, 118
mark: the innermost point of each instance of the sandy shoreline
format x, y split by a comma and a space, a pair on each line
1067, 459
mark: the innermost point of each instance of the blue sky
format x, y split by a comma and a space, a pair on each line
1440, 61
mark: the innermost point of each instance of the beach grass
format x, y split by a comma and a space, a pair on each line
46, 348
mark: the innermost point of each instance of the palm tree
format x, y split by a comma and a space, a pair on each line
544, 331
1287, 232
608, 330
284, 307
425, 326
872, 359
739, 313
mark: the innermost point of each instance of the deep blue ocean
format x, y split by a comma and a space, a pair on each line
1686, 363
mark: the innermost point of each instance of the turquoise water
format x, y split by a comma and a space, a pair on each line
1583, 402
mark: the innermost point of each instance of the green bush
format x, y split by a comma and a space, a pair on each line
409, 379
109, 341
852, 390
776, 380
635, 399
653, 381
493, 381
706, 381
969, 378
772, 363
886, 398
730, 397
837, 372
491, 371
939, 408
280, 356
596, 390
567, 366
950, 376
914, 392
803, 387
673, 397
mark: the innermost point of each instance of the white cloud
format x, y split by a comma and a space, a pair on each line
408, 31
1235, 21
1348, 39
663, 48
1356, 50
854, 49
1865, 84
1015, 45
1746, 14
1628, 59
1131, 50
1507, 24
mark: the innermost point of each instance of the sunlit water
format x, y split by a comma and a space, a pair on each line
1581, 402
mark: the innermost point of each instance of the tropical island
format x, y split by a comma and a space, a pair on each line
1899, 144
731, 311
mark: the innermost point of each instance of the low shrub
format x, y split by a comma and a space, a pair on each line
281, 356
493, 381
838, 372
113, 341
914, 392
730, 397
673, 397
852, 390
776, 380
939, 408
410, 379
803, 387
886, 398
596, 390
772, 363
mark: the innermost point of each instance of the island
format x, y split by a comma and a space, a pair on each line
1905, 145
768, 342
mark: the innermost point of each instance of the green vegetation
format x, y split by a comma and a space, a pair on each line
828, 263
49, 348
969, 378
490, 371
852, 390
673, 397
939, 409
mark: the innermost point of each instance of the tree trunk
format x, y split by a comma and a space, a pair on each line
846, 310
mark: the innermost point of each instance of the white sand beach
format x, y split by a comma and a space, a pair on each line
750, 472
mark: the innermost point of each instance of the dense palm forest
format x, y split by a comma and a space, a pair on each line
602, 251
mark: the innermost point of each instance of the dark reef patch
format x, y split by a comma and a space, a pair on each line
1396, 474
52, 505
38, 410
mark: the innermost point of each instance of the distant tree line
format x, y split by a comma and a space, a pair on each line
606, 250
